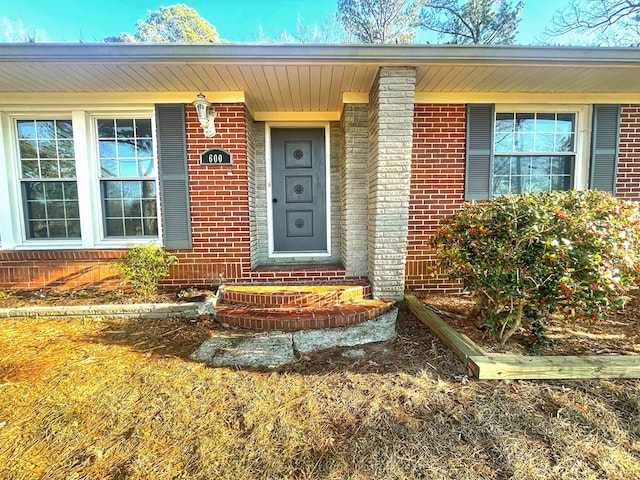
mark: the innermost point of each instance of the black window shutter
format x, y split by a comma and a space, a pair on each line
604, 147
479, 150
174, 185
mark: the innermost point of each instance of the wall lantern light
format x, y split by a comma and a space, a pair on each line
206, 115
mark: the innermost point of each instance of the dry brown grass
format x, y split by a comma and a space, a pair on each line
120, 400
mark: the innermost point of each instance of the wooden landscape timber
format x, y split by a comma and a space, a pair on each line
491, 366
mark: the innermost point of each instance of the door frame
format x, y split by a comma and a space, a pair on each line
327, 152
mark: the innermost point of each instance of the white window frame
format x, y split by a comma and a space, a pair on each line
583, 134
327, 146
12, 219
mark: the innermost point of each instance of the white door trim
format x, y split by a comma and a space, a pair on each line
327, 150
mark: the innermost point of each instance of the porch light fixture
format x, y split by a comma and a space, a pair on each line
206, 115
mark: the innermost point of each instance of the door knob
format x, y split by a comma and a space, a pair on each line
275, 200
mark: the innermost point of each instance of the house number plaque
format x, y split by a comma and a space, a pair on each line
215, 156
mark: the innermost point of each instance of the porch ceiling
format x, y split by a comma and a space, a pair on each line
312, 78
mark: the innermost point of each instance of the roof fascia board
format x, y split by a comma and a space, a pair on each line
317, 54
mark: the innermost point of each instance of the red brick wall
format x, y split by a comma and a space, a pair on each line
219, 202
628, 182
219, 219
437, 187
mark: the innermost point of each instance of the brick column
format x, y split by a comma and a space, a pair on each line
389, 174
354, 150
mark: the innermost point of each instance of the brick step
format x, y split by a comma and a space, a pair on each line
300, 295
289, 318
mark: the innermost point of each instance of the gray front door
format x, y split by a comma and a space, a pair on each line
299, 193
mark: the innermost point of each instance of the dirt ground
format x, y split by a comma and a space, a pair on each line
618, 334
120, 399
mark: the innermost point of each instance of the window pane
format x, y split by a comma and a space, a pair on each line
501, 165
504, 142
109, 168
73, 228
565, 123
67, 168
561, 165
49, 169
564, 142
37, 210
47, 149
113, 208
133, 227
561, 182
55, 209
30, 169
126, 149
145, 168
106, 129
115, 227
524, 142
45, 129
545, 122
540, 184
112, 190
26, 129
500, 185
504, 122
545, 142
28, 149
65, 149
145, 147
150, 226
126, 142
128, 168
64, 129
541, 166
130, 208
143, 128
124, 128
107, 148
52, 209
72, 209
525, 122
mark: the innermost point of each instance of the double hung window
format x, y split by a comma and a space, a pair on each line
77, 180
48, 181
127, 177
534, 152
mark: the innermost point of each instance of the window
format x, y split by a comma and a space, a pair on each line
533, 152
48, 178
127, 177
76, 180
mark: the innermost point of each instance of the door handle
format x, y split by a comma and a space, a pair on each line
275, 200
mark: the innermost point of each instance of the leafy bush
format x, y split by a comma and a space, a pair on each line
528, 256
143, 266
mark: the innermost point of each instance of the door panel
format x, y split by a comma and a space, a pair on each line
299, 193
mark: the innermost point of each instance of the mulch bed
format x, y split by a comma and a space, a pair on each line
618, 334
96, 296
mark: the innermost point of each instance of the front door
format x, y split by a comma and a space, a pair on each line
299, 193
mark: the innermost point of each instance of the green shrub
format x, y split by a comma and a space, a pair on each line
528, 256
143, 267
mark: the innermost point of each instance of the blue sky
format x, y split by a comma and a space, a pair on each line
235, 20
